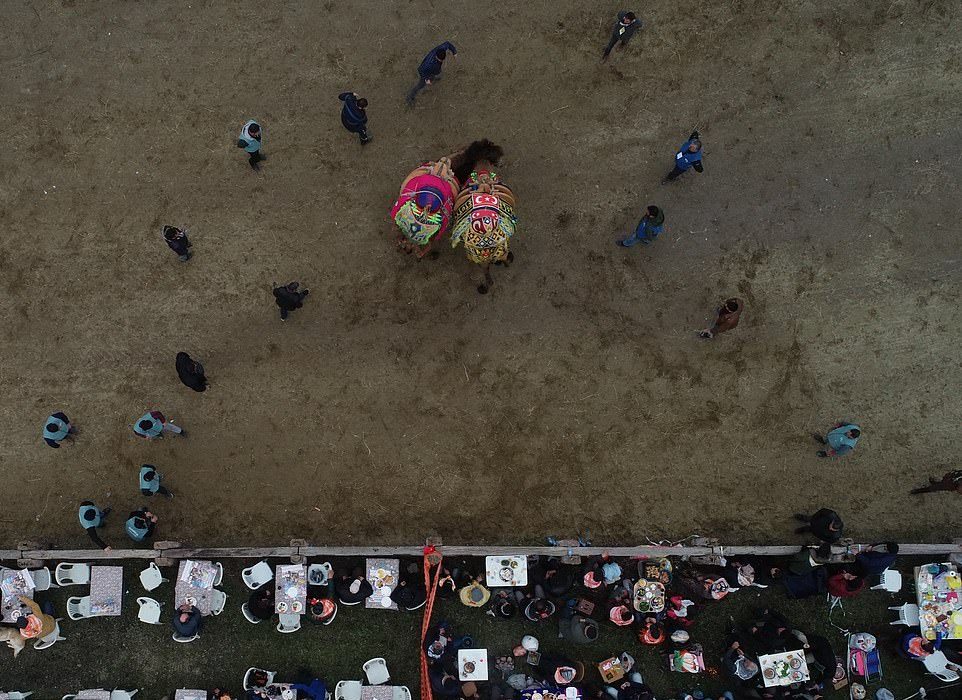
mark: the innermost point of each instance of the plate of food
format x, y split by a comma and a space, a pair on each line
282, 606
507, 573
795, 663
769, 673
468, 667
796, 676
514, 563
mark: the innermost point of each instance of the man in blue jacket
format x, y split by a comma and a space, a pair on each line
353, 116
688, 157
651, 224
430, 68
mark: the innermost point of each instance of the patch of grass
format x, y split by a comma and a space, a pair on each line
122, 652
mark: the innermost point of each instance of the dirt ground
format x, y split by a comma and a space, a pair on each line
400, 402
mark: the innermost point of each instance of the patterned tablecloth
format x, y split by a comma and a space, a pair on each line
506, 571
783, 669
14, 583
290, 589
187, 694
195, 579
106, 589
383, 574
93, 695
377, 692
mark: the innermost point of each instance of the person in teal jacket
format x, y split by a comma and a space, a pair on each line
150, 480
841, 440
250, 140
91, 518
140, 525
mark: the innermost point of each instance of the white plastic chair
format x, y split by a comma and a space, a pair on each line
48, 641
149, 611
347, 690
257, 575
78, 608
908, 615
218, 599
270, 677
184, 640
376, 671
122, 694
220, 573
14, 695
68, 697
936, 664
151, 578
402, 692
41, 579
324, 571
288, 623
248, 615
72, 574
891, 581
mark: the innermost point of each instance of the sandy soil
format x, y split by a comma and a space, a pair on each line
399, 401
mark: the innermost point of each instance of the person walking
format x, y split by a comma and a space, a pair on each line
825, 524
726, 318
150, 480
288, 298
56, 429
177, 241
839, 441
687, 157
354, 116
140, 525
624, 29
153, 423
950, 481
652, 223
91, 518
190, 372
250, 140
430, 68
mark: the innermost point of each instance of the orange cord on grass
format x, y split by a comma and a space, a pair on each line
431, 589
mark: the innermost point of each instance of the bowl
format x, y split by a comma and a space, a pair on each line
469, 667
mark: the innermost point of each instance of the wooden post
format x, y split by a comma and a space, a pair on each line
297, 557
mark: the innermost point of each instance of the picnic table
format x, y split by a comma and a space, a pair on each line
99, 694
377, 692
383, 575
13, 584
506, 571
783, 669
939, 590
195, 581
290, 589
106, 590
187, 694
476, 657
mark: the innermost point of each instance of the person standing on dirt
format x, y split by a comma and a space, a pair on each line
825, 524
687, 158
190, 372
288, 298
57, 428
651, 224
951, 481
354, 116
177, 241
839, 441
150, 480
250, 140
140, 525
91, 518
153, 423
726, 318
430, 68
624, 29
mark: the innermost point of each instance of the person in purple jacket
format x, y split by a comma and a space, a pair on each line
430, 68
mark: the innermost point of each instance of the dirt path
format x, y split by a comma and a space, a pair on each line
398, 401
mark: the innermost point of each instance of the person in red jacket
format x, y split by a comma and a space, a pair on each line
845, 585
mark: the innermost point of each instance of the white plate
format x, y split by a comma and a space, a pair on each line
385, 602
386, 591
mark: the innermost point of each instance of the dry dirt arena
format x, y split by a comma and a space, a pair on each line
399, 402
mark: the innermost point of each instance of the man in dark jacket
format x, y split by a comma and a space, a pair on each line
190, 371
430, 68
624, 29
876, 559
354, 116
177, 241
825, 524
288, 298
187, 621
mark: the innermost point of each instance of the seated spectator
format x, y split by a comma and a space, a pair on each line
469, 691
820, 657
681, 611
219, 694
845, 585
578, 629
875, 559
443, 683
503, 605
553, 576
556, 669
916, 647
261, 603
707, 586
410, 593
474, 595
38, 623
652, 632
539, 609
631, 687
353, 589
439, 641
315, 690
447, 587
187, 621
621, 615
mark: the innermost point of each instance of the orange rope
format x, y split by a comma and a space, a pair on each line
431, 589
